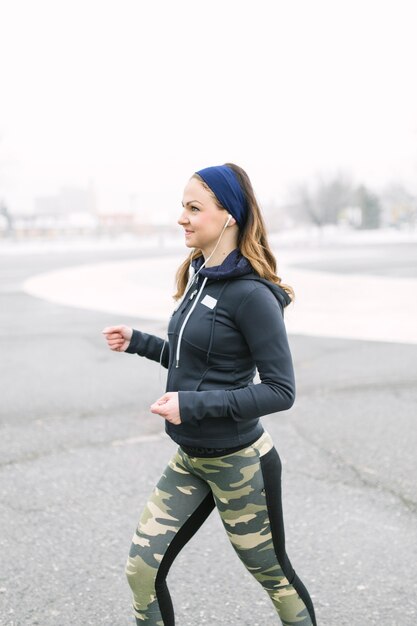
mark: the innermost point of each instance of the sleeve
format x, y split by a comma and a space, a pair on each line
150, 346
261, 323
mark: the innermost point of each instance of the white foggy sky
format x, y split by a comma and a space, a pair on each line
138, 95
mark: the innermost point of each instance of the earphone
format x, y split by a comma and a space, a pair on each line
228, 220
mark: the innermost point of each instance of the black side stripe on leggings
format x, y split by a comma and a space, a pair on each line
183, 536
271, 468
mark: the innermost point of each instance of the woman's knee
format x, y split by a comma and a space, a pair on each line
139, 572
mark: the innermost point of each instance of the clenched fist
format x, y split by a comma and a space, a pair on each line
168, 407
118, 337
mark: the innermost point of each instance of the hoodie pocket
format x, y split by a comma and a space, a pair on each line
215, 377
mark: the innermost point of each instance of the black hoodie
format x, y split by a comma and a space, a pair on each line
229, 323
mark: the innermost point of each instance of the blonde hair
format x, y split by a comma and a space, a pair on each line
252, 239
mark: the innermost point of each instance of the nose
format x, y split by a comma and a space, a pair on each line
183, 219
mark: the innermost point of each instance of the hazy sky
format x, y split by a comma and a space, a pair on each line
138, 95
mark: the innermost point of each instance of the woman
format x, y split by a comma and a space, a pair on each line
228, 322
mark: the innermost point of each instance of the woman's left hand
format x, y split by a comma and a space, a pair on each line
168, 407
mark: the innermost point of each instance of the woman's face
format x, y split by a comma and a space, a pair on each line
201, 219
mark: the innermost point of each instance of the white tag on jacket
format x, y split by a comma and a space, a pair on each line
209, 301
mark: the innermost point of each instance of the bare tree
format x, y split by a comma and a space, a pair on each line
323, 203
399, 205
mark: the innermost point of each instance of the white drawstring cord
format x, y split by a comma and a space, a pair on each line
177, 360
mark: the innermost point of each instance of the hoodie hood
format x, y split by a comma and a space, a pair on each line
280, 293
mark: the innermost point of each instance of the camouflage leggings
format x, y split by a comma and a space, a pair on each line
245, 486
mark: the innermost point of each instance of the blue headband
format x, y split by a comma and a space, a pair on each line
225, 185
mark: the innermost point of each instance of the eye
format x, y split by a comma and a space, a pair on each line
194, 208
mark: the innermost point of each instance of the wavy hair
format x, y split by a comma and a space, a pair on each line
252, 239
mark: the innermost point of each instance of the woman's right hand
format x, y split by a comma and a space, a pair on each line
118, 337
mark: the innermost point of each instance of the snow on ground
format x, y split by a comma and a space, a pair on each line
302, 236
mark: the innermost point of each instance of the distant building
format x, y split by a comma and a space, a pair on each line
68, 200
70, 212
73, 212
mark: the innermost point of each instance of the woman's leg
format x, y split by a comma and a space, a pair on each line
247, 492
178, 506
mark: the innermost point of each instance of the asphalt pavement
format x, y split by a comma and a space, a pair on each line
80, 452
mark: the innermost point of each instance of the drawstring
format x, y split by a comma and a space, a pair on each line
177, 360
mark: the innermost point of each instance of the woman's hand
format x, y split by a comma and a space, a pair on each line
118, 337
168, 407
